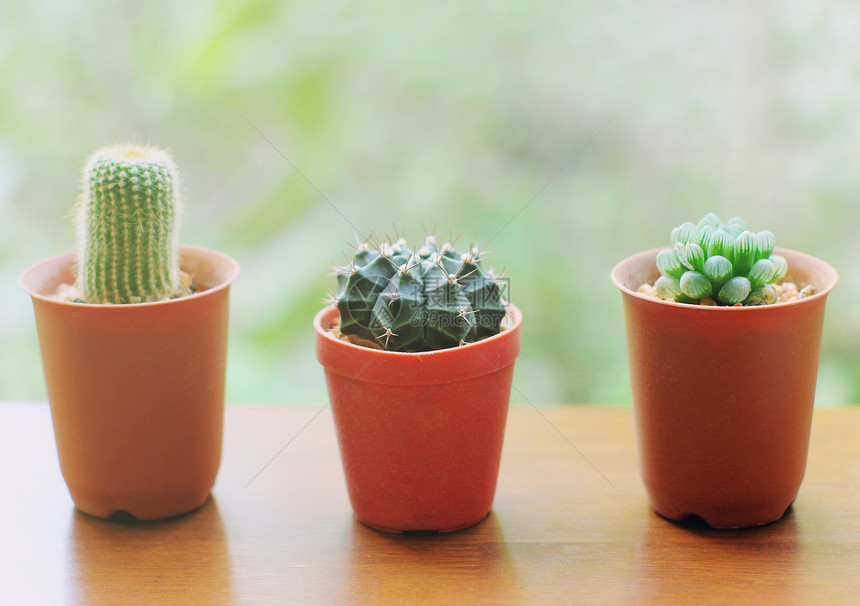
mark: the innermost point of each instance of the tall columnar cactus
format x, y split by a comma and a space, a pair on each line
720, 261
128, 227
428, 299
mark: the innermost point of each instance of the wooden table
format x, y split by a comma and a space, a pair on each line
560, 532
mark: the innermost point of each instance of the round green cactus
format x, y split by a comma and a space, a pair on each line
720, 261
128, 249
407, 300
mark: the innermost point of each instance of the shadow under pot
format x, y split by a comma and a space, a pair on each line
723, 396
136, 391
420, 434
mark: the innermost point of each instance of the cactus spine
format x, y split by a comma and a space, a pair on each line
128, 247
423, 300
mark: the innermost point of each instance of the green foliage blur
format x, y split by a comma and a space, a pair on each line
567, 135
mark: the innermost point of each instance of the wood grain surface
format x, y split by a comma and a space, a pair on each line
570, 525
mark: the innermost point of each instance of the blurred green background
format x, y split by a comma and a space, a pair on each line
474, 116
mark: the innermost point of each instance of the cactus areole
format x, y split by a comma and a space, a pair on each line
429, 299
128, 222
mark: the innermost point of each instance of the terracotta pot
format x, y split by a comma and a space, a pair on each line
136, 391
723, 396
420, 434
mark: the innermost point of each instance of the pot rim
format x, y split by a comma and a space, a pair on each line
513, 313
62, 259
417, 368
830, 279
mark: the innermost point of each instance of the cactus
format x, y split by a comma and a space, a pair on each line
128, 227
723, 262
423, 300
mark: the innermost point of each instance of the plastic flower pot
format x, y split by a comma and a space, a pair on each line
723, 396
420, 434
136, 391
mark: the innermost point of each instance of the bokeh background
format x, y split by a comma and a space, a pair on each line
569, 134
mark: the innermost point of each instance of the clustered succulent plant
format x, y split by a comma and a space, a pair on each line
720, 261
128, 249
418, 300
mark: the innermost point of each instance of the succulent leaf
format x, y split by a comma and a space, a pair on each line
704, 234
764, 241
718, 269
761, 272
668, 263
736, 226
695, 256
681, 253
780, 268
668, 288
695, 285
763, 295
709, 219
735, 290
722, 244
745, 250
687, 232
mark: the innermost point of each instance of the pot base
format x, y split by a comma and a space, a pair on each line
726, 519
143, 509
425, 530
